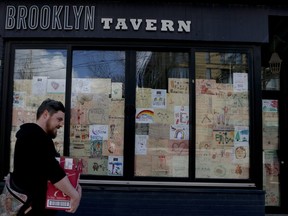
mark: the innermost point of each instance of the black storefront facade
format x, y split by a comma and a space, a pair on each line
174, 107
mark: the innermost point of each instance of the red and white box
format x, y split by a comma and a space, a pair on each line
55, 198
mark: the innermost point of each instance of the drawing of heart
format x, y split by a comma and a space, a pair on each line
180, 148
55, 85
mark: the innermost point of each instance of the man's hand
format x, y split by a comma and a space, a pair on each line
75, 200
75, 194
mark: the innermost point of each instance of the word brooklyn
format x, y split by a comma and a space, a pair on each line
81, 17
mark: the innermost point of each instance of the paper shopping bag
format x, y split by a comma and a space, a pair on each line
55, 198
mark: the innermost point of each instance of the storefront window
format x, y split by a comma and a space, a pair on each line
97, 111
38, 74
162, 145
270, 148
162, 115
222, 115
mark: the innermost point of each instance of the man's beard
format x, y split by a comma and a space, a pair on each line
52, 132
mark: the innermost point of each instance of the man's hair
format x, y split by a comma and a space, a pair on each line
52, 106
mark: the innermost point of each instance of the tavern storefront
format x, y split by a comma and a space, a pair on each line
174, 107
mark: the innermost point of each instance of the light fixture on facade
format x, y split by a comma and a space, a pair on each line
275, 63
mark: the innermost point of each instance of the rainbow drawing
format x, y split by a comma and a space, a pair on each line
179, 132
144, 115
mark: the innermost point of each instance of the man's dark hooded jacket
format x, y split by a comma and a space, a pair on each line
35, 164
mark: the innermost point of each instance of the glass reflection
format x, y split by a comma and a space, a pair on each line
270, 148
162, 115
222, 115
97, 111
38, 74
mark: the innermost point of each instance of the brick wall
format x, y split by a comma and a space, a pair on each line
122, 201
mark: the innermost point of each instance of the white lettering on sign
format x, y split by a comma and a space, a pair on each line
70, 18
136, 23
151, 25
45, 17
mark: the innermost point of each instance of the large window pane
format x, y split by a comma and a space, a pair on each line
270, 148
38, 74
222, 115
97, 111
162, 115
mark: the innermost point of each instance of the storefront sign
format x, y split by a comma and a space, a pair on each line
82, 17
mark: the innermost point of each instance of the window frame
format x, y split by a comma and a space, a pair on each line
254, 77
